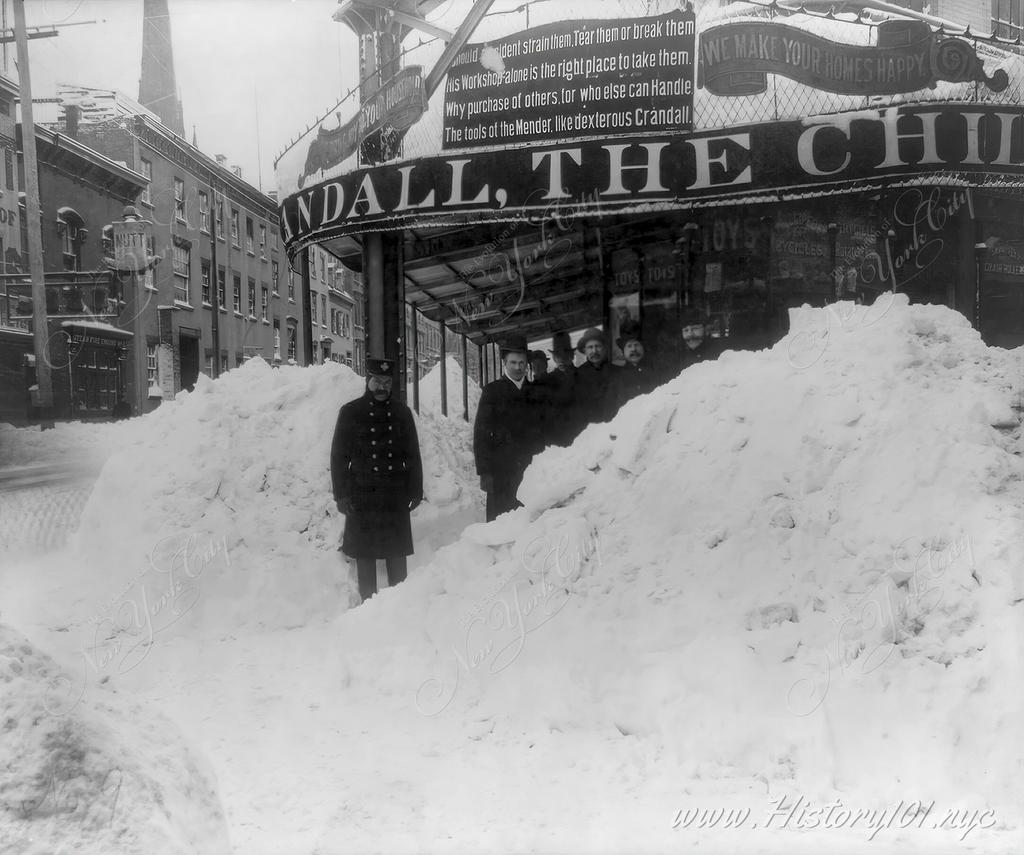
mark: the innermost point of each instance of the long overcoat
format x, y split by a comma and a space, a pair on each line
631, 380
506, 432
375, 464
553, 393
592, 402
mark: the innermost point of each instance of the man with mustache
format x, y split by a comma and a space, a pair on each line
377, 478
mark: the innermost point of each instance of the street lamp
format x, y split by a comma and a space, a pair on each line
682, 252
980, 249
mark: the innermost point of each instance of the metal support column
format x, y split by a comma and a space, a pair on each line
444, 369
465, 380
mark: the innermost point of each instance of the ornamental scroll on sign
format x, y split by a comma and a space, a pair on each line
736, 58
397, 105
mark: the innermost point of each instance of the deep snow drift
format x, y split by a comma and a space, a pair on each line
787, 574
95, 776
786, 579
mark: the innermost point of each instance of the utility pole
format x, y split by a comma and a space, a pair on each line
40, 327
215, 279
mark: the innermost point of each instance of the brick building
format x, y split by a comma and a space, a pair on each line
218, 238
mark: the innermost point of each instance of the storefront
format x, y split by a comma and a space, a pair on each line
94, 357
667, 167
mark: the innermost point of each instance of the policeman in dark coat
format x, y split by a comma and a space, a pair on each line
638, 376
377, 477
593, 377
554, 394
505, 433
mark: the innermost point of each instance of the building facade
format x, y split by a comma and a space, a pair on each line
223, 292
764, 156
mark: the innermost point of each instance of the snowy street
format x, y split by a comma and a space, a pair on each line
827, 613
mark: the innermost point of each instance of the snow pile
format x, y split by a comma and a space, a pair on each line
220, 508
792, 573
83, 444
93, 777
430, 391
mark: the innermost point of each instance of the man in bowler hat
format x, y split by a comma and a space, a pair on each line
377, 477
505, 435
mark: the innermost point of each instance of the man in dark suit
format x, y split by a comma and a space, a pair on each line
505, 434
593, 377
554, 394
638, 375
377, 477
698, 346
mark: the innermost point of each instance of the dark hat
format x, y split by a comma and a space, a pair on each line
561, 343
379, 367
629, 330
513, 344
538, 354
590, 335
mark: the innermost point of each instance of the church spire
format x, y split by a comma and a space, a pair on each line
158, 89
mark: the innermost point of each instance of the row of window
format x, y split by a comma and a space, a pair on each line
182, 266
181, 215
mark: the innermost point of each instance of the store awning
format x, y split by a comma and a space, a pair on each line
94, 329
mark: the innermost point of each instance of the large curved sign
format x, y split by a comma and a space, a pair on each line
663, 171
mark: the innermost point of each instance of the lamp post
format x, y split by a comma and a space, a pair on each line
980, 249
682, 252
833, 232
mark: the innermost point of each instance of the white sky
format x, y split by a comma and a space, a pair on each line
286, 54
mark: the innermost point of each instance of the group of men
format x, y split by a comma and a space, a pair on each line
376, 470
529, 408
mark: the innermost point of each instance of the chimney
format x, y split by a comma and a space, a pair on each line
158, 89
72, 113
235, 168
221, 159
